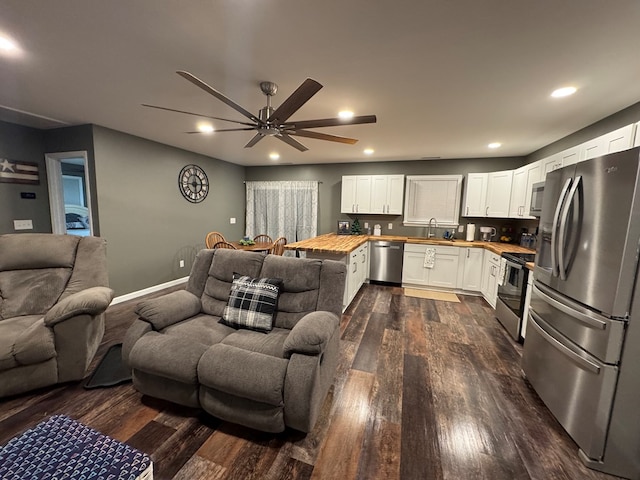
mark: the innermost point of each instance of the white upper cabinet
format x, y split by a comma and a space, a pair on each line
387, 193
550, 164
475, 195
356, 194
372, 194
521, 187
499, 194
616, 141
570, 156
636, 142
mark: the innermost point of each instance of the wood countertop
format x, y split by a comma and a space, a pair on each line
345, 244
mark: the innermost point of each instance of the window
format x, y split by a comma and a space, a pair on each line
432, 196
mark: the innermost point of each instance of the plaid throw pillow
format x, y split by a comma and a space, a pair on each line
252, 302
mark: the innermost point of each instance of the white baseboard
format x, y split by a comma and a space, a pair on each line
145, 291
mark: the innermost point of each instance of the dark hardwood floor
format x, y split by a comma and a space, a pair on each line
424, 390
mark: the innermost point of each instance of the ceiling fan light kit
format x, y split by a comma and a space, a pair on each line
272, 122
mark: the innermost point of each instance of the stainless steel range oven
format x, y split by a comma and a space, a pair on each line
512, 289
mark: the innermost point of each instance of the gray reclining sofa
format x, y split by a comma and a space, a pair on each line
53, 295
184, 349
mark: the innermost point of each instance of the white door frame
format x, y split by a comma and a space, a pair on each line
56, 192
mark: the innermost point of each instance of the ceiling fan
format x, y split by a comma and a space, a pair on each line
272, 122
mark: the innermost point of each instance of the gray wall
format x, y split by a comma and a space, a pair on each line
148, 225
331, 178
24, 144
617, 120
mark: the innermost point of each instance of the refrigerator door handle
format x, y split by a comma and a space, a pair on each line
581, 317
563, 227
556, 219
586, 364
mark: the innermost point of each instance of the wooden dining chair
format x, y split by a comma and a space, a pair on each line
278, 246
262, 238
213, 238
224, 244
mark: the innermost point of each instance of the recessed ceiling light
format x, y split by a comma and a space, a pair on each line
368, 151
274, 156
494, 145
7, 45
345, 114
563, 92
206, 128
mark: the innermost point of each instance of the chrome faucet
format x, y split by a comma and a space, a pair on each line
429, 234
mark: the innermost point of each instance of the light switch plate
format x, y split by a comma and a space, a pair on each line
232, 220
461, 228
390, 226
23, 225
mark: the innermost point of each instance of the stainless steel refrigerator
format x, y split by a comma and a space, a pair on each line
582, 351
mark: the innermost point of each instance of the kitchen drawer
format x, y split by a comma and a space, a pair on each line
421, 248
599, 335
577, 387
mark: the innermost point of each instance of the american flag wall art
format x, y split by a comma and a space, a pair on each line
15, 171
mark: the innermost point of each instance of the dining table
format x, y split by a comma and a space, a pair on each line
256, 247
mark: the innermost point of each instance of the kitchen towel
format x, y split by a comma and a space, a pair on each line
429, 258
501, 274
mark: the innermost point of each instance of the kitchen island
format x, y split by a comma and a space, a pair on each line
461, 266
343, 244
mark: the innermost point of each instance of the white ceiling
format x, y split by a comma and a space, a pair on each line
444, 77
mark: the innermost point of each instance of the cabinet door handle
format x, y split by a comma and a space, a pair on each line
353, 207
467, 209
486, 212
468, 252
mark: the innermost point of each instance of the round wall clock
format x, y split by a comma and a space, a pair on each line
193, 183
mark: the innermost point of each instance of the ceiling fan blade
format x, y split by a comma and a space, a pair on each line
254, 140
209, 89
330, 122
225, 130
196, 114
298, 98
291, 141
322, 136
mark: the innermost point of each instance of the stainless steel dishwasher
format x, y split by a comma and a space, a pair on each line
386, 261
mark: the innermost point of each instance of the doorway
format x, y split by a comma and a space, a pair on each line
69, 193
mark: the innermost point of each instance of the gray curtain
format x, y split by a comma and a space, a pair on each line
282, 209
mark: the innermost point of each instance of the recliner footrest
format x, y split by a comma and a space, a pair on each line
243, 373
167, 356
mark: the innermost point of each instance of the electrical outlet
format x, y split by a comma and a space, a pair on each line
366, 224
390, 226
460, 228
181, 263
23, 225
232, 220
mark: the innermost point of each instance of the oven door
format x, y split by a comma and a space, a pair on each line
514, 284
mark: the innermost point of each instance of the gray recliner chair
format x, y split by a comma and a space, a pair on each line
53, 294
180, 350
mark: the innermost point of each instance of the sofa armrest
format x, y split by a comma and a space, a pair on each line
91, 301
169, 309
310, 335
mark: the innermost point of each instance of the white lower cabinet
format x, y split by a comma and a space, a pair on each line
490, 272
443, 273
473, 259
357, 269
